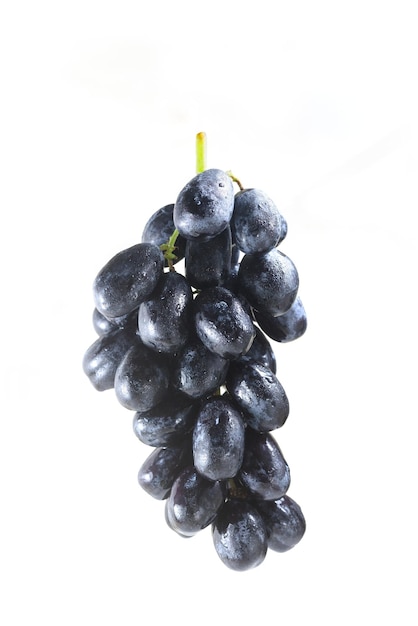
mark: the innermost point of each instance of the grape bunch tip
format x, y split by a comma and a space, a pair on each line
190, 354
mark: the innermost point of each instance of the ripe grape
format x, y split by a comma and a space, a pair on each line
159, 229
159, 471
259, 394
141, 379
128, 279
269, 281
285, 523
256, 222
239, 535
218, 439
204, 206
264, 471
193, 502
287, 327
222, 323
164, 320
167, 423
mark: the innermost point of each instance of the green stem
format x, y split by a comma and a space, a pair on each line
169, 247
168, 250
201, 146
235, 180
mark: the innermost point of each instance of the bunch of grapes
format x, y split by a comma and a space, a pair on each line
190, 355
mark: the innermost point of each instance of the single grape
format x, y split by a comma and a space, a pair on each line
258, 392
168, 423
194, 502
264, 471
159, 229
142, 379
283, 234
128, 279
102, 325
164, 321
222, 323
239, 535
160, 469
197, 371
285, 522
287, 327
104, 356
269, 281
256, 222
261, 351
208, 263
204, 206
218, 439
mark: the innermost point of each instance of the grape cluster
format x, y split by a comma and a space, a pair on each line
190, 355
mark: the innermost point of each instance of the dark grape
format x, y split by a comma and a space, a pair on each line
104, 356
204, 206
269, 281
164, 321
256, 222
168, 423
287, 327
142, 379
208, 263
128, 279
198, 371
264, 471
218, 439
102, 325
222, 323
258, 392
239, 535
194, 502
160, 469
159, 229
261, 351
285, 523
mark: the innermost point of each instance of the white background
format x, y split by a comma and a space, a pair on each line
315, 103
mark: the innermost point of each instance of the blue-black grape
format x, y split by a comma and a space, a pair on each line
261, 351
264, 471
285, 523
204, 206
208, 263
194, 502
218, 439
164, 321
198, 372
239, 535
259, 393
142, 379
160, 469
287, 327
104, 356
128, 279
222, 323
269, 281
168, 423
257, 223
102, 325
159, 229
